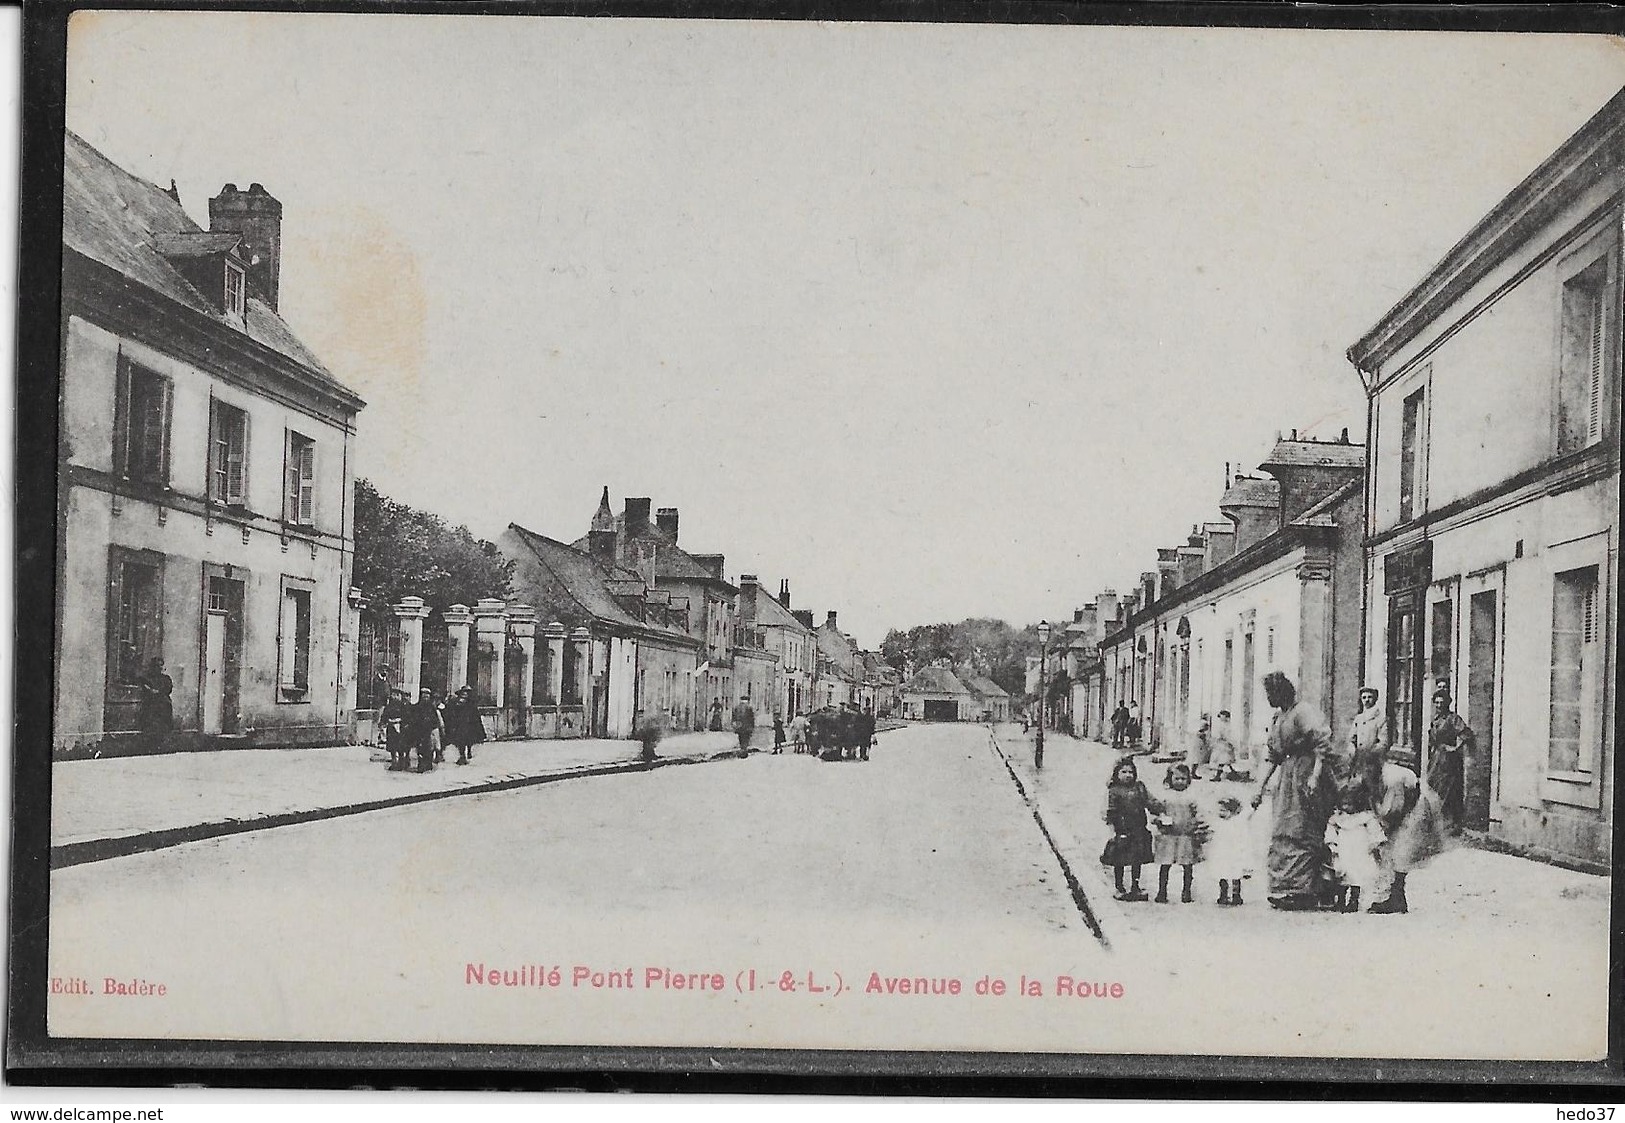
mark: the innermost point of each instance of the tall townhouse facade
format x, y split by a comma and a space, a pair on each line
1492, 559
205, 496
787, 638
1277, 591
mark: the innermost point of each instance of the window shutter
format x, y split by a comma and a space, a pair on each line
301, 641
284, 640
218, 441
236, 432
307, 483
166, 409
1599, 323
290, 478
121, 418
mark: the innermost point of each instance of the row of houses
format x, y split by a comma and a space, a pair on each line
1471, 541
206, 537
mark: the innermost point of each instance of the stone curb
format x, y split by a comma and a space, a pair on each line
1089, 904
101, 849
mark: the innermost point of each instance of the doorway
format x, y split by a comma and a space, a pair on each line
1483, 624
221, 679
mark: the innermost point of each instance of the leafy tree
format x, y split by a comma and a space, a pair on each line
401, 551
978, 646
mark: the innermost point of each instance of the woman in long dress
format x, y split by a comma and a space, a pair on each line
1299, 741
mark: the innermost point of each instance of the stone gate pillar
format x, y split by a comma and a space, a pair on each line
522, 624
350, 653
555, 662
459, 626
491, 641
583, 645
411, 612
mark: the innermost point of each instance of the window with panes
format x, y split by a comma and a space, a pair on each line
299, 490
293, 639
141, 423
137, 615
228, 454
1576, 672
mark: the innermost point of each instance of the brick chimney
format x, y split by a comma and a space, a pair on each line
784, 593
1192, 559
1148, 589
1220, 542
711, 563
1308, 471
803, 617
1107, 605
829, 621
1167, 570
1077, 615
257, 216
666, 520
637, 516
1255, 508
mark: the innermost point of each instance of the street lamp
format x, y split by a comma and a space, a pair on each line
1043, 660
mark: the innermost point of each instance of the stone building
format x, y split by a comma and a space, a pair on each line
1493, 392
694, 584
786, 637
1283, 594
608, 646
936, 694
204, 504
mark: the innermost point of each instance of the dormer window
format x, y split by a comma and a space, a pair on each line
236, 288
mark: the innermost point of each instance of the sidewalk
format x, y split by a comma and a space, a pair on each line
1487, 885
107, 808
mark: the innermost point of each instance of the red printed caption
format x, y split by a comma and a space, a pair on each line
803, 981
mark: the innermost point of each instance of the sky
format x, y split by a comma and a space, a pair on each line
935, 321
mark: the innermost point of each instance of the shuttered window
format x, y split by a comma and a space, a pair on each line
1583, 367
228, 454
141, 415
293, 640
1576, 699
298, 500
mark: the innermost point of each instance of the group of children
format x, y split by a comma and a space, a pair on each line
1172, 829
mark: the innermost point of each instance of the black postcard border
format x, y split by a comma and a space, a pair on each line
34, 1058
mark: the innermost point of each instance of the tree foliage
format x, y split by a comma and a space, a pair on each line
401, 551
977, 646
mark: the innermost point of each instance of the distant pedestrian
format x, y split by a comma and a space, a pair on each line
437, 731
716, 715
1450, 741
1368, 736
1204, 746
156, 716
1120, 725
778, 734
743, 721
798, 733
1127, 806
464, 729
1180, 833
1221, 755
394, 719
1134, 727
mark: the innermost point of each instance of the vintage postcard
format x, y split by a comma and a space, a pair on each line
897, 538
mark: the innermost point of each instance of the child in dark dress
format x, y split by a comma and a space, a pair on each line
1127, 804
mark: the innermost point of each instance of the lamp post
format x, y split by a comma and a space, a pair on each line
1043, 660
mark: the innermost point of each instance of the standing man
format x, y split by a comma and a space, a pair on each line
1368, 738
744, 722
1449, 738
1119, 725
1133, 724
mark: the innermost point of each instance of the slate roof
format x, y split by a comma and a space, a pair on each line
132, 226
987, 688
584, 581
935, 680
1250, 492
1315, 454
671, 560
